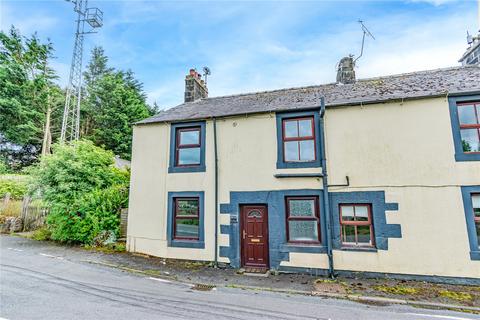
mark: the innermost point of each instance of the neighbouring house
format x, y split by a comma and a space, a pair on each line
379, 176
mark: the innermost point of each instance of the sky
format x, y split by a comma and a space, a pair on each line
252, 45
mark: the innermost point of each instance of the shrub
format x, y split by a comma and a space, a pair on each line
91, 217
42, 234
3, 167
17, 187
74, 170
84, 191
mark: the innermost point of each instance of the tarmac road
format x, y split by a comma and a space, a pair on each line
38, 285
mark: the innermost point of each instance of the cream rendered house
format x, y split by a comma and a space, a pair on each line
380, 176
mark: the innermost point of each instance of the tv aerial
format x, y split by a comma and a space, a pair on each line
206, 72
366, 33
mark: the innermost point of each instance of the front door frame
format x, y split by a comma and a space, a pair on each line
243, 211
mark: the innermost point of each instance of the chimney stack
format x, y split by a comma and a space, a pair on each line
346, 70
195, 87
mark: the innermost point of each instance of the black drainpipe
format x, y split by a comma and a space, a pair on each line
326, 198
216, 190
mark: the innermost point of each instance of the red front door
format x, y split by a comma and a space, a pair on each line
254, 236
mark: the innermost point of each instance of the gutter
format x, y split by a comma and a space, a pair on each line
326, 198
216, 189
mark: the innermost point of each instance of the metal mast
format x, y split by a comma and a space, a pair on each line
71, 114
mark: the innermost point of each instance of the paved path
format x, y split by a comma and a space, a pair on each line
36, 284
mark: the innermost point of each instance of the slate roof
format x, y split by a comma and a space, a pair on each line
432, 83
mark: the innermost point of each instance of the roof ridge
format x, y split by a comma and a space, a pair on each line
397, 75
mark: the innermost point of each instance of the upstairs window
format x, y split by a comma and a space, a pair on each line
299, 140
188, 146
356, 225
303, 220
476, 215
465, 119
469, 119
186, 219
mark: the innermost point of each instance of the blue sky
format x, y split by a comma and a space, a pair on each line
253, 46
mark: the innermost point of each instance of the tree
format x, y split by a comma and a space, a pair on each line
95, 70
27, 97
119, 102
114, 100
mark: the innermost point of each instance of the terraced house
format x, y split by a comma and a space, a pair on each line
378, 176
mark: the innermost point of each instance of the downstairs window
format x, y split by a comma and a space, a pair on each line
303, 220
186, 219
356, 225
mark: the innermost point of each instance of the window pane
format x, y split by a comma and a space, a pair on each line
189, 156
476, 201
303, 230
187, 207
363, 234
466, 114
186, 228
291, 151
361, 213
291, 129
477, 225
307, 150
348, 234
305, 128
190, 137
347, 213
470, 140
301, 208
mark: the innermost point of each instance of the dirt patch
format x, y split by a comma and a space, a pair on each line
330, 286
412, 291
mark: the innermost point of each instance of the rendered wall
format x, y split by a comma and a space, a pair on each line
405, 149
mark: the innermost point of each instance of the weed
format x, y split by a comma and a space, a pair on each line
12, 209
459, 296
401, 290
42, 234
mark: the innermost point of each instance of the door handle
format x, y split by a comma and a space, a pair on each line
244, 234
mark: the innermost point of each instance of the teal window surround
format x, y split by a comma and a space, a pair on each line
173, 168
460, 155
467, 192
194, 244
280, 117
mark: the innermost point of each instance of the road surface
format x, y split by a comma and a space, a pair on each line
36, 284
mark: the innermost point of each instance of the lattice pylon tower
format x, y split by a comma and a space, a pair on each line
71, 114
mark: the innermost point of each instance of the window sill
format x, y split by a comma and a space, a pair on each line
288, 165
303, 248
193, 244
467, 156
186, 169
298, 175
475, 255
359, 249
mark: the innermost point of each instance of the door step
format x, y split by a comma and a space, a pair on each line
253, 271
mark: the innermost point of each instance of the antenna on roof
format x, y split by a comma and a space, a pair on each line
206, 72
469, 38
366, 32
